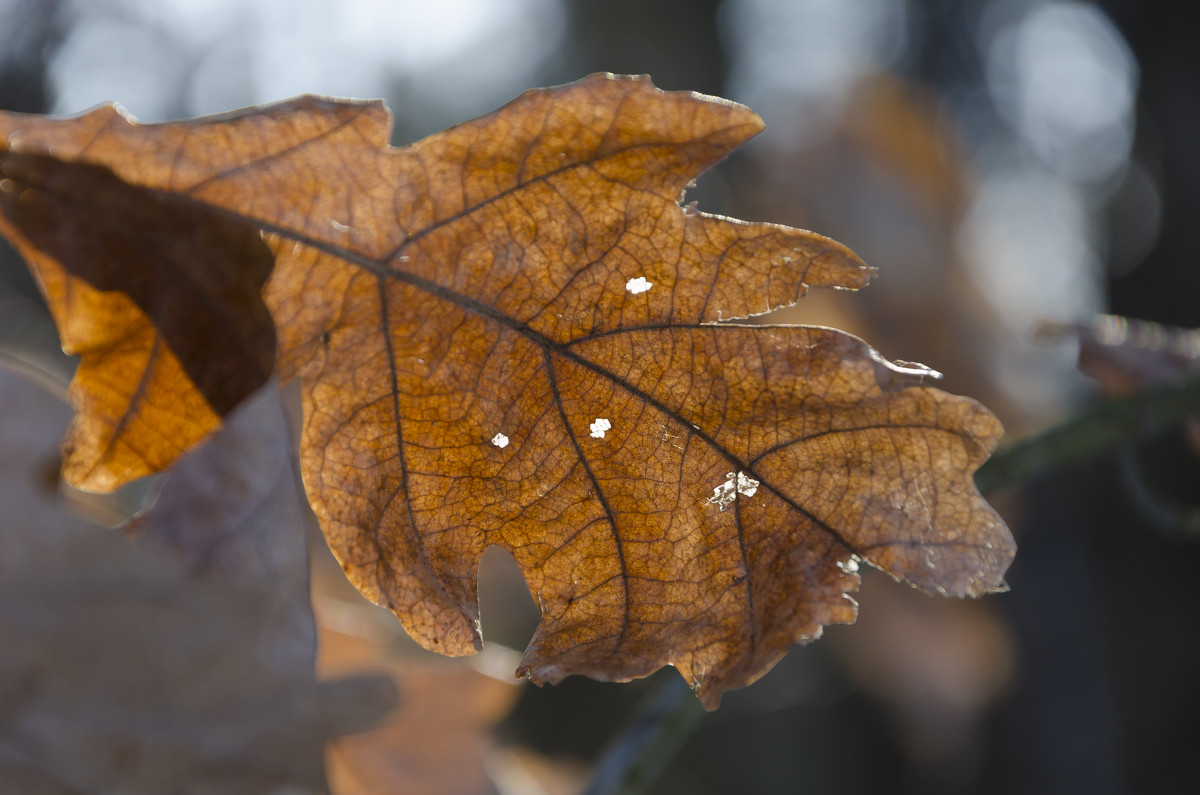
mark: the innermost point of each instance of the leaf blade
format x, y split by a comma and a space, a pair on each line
530, 276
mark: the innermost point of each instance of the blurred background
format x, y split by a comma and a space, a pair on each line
1003, 163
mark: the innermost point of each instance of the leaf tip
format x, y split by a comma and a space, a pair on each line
710, 698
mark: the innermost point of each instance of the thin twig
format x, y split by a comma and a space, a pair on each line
639, 753
1102, 429
1174, 519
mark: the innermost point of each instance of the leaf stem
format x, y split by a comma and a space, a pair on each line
668, 715
639, 753
1104, 428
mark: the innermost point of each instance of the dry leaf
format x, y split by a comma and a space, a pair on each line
124, 672
507, 335
231, 510
1126, 356
157, 295
436, 741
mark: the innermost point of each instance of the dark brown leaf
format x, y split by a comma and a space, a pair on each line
157, 295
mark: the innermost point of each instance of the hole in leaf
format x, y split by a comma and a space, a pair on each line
507, 611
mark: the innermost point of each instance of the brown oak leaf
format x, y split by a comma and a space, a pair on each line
510, 333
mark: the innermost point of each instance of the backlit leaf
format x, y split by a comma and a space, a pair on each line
511, 333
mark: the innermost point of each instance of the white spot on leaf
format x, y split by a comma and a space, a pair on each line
340, 226
500, 440
599, 427
638, 285
735, 483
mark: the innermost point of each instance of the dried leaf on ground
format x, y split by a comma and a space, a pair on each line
436, 741
123, 671
508, 334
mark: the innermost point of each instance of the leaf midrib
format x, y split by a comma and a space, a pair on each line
379, 267
563, 349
